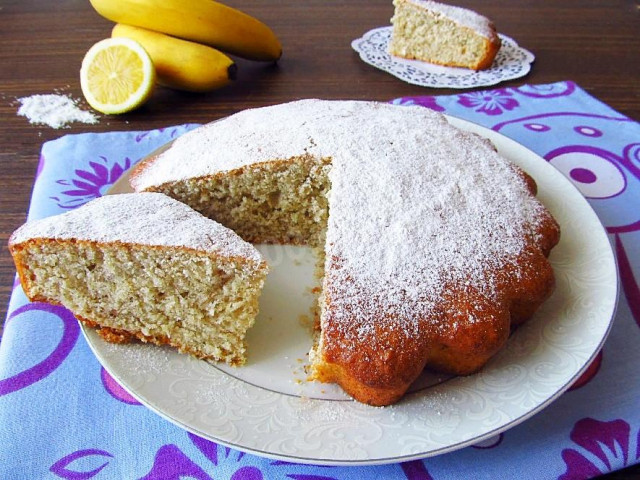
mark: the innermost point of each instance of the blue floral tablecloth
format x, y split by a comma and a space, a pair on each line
63, 416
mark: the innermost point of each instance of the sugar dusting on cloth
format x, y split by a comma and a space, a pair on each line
54, 110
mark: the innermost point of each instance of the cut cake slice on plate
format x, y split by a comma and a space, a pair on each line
145, 266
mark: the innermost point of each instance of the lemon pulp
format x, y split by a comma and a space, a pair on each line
117, 75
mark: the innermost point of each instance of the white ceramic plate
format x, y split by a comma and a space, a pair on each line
268, 408
512, 61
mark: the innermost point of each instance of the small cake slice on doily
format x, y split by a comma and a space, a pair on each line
443, 34
145, 266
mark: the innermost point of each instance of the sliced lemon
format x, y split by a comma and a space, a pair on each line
117, 75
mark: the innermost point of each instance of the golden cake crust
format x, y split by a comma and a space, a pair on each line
381, 370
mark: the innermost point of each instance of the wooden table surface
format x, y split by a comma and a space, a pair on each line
595, 43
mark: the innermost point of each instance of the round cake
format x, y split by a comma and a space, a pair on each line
433, 245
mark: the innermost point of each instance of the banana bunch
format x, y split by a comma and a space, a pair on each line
186, 38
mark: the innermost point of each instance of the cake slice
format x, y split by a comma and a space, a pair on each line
443, 34
145, 266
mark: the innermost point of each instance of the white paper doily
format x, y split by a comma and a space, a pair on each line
512, 61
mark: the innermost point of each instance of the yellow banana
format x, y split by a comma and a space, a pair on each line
181, 64
202, 21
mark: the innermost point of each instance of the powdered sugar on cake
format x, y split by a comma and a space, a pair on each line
144, 219
462, 16
443, 209
415, 203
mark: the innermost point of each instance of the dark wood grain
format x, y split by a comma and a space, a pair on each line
593, 42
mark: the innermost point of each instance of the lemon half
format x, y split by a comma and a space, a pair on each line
117, 75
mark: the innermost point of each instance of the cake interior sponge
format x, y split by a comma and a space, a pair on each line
443, 34
145, 266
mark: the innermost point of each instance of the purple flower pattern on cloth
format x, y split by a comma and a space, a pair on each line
416, 470
304, 476
589, 374
70, 333
114, 389
91, 183
64, 468
551, 90
490, 102
429, 102
41, 163
172, 133
172, 464
601, 447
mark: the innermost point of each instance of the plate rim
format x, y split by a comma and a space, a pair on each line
94, 341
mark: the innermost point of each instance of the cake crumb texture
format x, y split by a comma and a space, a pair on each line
148, 267
442, 34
